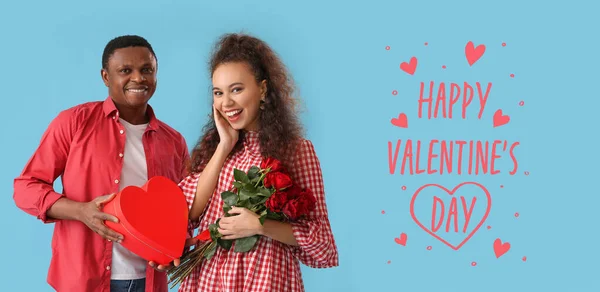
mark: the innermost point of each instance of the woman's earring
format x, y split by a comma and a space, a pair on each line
262, 104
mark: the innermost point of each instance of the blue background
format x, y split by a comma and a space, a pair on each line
50, 56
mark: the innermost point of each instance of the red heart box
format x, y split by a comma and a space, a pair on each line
152, 219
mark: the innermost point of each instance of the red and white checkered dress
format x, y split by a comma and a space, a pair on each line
270, 265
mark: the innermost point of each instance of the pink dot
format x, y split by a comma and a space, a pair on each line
404, 188
387, 48
517, 215
489, 227
443, 66
389, 262
524, 259
429, 247
473, 264
521, 103
426, 43
527, 173
501, 186
504, 44
394, 92
382, 211
512, 75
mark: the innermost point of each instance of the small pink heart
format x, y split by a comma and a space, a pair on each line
524, 259
401, 240
401, 121
500, 248
500, 119
409, 67
473, 54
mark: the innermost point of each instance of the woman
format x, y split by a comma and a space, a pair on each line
254, 118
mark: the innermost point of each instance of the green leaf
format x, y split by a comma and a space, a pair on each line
263, 218
214, 233
238, 185
210, 252
250, 188
245, 195
262, 200
253, 172
264, 192
245, 244
274, 216
225, 243
256, 200
240, 176
229, 198
226, 210
246, 204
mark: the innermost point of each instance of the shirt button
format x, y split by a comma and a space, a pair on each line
114, 117
120, 154
121, 131
108, 268
116, 181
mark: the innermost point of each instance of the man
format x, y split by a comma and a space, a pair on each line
98, 148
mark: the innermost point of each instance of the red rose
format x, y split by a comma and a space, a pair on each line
293, 192
300, 206
291, 209
276, 201
204, 236
273, 164
307, 200
278, 180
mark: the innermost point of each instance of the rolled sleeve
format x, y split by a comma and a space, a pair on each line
33, 189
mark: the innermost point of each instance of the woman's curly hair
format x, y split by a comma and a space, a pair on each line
279, 128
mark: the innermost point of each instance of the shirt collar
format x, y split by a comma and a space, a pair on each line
110, 110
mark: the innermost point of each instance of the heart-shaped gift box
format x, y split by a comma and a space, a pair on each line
152, 219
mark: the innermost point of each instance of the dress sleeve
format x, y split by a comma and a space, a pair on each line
317, 246
188, 186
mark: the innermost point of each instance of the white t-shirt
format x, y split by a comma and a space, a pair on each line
125, 264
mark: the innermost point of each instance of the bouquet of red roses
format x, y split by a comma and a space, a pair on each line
268, 191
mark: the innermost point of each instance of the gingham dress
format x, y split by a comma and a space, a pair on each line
270, 265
